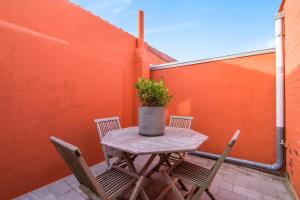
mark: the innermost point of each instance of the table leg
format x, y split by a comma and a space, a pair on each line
137, 189
173, 186
142, 173
163, 158
129, 163
144, 194
165, 192
132, 169
148, 163
179, 181
182, 185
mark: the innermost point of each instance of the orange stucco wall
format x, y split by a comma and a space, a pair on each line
224, 96
292, 90
60, 67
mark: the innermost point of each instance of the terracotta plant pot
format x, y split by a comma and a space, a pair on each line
151, 121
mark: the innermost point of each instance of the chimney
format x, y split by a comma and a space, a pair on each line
141, 29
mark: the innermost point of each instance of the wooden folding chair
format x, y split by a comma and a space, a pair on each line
179, 122
104, 125
108, 185
201, 178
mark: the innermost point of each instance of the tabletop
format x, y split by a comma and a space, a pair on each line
174, 140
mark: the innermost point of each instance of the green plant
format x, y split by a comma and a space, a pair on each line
152, 93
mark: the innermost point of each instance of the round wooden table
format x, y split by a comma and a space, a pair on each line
174, 140
128, 141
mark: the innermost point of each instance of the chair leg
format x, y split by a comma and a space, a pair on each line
209, 194
137, 188
107, 163
168, 163
190, 194
106, 156
144, 194
182, 185
146, 166
91, 195
173, 186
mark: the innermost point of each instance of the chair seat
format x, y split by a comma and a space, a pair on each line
114, 181
191, 173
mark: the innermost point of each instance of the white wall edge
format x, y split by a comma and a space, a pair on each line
185, 63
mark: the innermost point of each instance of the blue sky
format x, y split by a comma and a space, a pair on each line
194, 29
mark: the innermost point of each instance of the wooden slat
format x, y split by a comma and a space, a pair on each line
180, 121
114, 181
193, 173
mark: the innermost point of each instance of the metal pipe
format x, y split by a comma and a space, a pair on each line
279, 109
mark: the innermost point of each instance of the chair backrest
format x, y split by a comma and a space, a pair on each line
105, 125
73, 158
180, 121
217, 166
225, 153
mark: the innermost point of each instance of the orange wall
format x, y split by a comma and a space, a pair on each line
60, 67
224, 96
292, 89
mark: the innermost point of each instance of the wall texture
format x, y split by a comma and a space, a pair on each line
224, 96
60, 67
292, 89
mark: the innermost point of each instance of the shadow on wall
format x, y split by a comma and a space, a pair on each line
223, 97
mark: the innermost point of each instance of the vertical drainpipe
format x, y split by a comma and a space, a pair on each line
279, 34
280, 128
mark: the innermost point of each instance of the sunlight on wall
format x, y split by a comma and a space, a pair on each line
184, 108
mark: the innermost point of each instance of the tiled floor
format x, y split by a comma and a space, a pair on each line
232, 182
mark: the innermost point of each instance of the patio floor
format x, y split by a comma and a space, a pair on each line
232, 182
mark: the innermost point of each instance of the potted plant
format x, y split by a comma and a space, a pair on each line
154, 96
